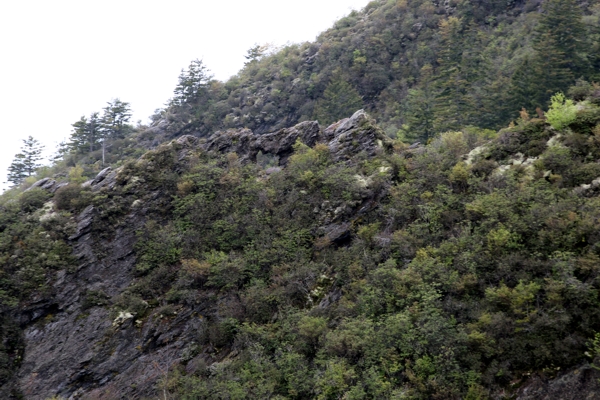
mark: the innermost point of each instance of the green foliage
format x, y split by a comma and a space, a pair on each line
87, 134
157, 247
460, 280
340, 100
33, 199
26, 162
416, 67
72, 197
192, 84
444, 271
562, 111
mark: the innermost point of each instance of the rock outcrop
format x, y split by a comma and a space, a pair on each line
75, 348
345, 139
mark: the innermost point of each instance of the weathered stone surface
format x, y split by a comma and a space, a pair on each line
577, 384
345, 139
48, 184
101, 175
247, 144
354, 135
107, 178
37, 184
76, 352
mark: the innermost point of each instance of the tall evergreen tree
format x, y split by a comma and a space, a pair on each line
26, 162
558, 44
551, 71
113, 123
340, 100
85, 136
193, 84
419, 108
561, 27
523, 92
452, 102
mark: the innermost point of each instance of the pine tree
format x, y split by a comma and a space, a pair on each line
419, 108
561, 27
86, 134
551, 71
26, 162
113, 123
558, 42
193, 84
452, 104
340, 100
523, 93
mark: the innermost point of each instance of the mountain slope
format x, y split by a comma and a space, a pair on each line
347, 266
419, 67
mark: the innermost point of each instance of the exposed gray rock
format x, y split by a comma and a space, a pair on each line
577, 384
107, 178
345, 139
48, 184
60, 185
357, 134
39, 183
84, 222
101, 175
247, 144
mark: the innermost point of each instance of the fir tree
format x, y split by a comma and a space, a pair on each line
26, 162
452, 102
561, 27
551, 71
559, 37
340, 100
419, 108
523, 93
193, 84
113, 123
86, 134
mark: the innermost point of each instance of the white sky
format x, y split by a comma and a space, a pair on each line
62, 59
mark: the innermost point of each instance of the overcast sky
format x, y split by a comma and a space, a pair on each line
62, 59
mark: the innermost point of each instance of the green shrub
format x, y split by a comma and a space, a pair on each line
562, 111
72, 198
33, 199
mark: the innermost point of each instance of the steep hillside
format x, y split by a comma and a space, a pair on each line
314, 263
262, 250
418, 66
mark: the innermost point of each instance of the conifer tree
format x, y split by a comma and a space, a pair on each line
561, 28
340, 100
86, 134
452, 102
26, 162
550, 71
113, 123
558, 41
193, 84
419, 108
523, 93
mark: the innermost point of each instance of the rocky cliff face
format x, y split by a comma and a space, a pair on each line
75, 346
88, 338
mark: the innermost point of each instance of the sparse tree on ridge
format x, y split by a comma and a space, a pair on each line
86, 134
193, 83
26, 162
113, 124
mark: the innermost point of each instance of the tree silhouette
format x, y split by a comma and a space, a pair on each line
26, 162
